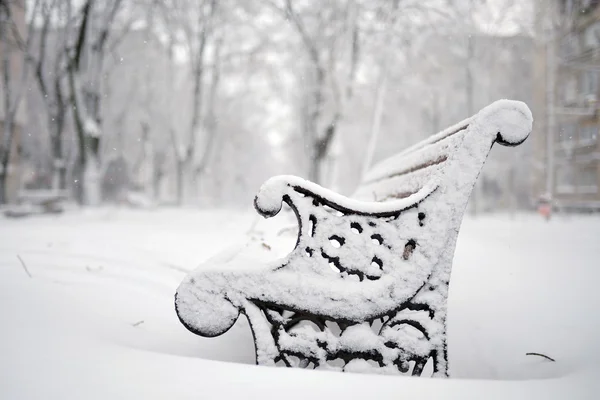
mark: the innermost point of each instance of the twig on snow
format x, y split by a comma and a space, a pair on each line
24, 266
90, 269
287, 229
541, 355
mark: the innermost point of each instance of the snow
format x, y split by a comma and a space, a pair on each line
268, 200
96, 320
91, 128
512, 120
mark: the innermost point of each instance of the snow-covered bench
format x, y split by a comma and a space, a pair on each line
39, 201
367, 282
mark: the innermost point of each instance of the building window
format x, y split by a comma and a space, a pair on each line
565, 182
589, 84
588, 134
569, 91
588, 179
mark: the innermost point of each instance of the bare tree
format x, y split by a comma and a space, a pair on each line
210, 119
86, 58
380, 89
49, 74
307, 76
12, 86
329, 39
195, 23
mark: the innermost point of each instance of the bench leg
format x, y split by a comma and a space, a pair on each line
264, 343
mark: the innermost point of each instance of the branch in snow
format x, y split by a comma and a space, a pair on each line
24, 266
541, 355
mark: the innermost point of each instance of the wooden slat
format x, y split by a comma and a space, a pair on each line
405, 173
397, 186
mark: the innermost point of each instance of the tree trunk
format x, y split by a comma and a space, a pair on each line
59, 166
78, 181
376, 120
147, 163
314, 171
8, 123
85, 96
3, 198
5, 151
179, 178
62, 176
156, 180
92, 181
89, 143
59, 175
317, 155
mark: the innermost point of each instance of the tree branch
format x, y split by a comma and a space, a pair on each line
104, 33
81, 36
306, 39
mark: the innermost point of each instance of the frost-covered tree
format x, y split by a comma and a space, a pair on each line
188, 101
47, 58
86, 53
193, 28
327, 41
13, 80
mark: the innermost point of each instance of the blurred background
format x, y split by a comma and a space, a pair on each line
153, 123
197, 102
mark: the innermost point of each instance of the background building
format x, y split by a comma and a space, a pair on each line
567, 71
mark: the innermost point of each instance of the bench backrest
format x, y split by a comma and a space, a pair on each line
452, 158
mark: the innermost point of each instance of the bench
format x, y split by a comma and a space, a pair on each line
39, 201
366, 286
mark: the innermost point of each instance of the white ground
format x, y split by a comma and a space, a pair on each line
96, 319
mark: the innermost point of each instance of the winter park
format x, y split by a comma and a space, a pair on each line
367, 199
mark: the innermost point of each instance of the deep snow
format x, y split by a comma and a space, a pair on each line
96, 319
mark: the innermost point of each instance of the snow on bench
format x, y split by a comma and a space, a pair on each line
366, 285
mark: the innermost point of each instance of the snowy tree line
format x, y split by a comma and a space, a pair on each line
199, 101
